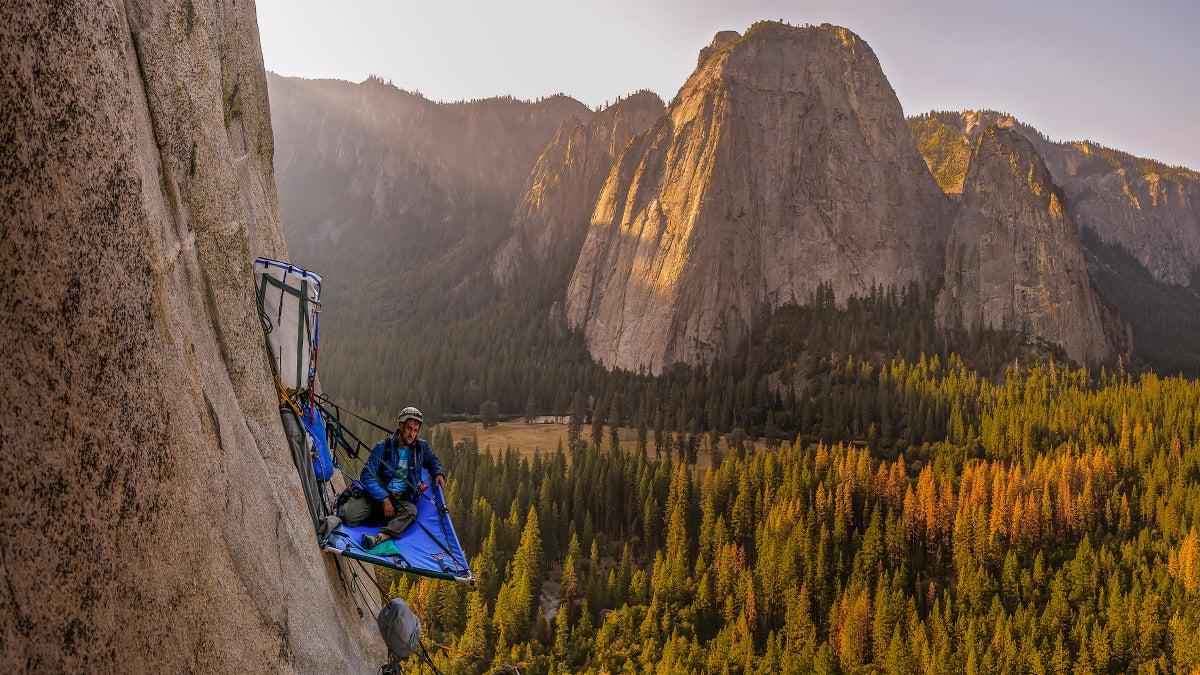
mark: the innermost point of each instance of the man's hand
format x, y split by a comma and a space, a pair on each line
440, 480
387, 507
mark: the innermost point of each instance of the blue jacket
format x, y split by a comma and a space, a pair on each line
384, 462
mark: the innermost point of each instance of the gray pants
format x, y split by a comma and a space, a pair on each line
358, 510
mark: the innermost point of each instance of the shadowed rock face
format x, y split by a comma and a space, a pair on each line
784, 162
1014, 260
391, 175
151, 519
550, 223
1146, 207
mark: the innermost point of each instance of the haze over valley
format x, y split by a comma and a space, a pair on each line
655, 234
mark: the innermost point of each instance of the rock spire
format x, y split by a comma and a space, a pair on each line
783, 162
1014, 259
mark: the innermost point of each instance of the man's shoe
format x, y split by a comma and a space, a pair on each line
370, 541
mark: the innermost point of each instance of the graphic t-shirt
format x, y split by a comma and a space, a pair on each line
405, 473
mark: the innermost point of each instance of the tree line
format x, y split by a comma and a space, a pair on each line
807, 370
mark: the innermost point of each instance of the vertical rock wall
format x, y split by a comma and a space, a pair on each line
151, 516
1014, 260
784, 162
1147, 208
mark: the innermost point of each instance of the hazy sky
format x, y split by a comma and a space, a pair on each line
1123, 74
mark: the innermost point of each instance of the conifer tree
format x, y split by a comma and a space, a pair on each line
518, 596
575, 427
571, 584
477, 636
485, 566
641, 432
530, 408
597, 425
562, 635
671, 580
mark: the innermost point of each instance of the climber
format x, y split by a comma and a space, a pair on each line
392, 480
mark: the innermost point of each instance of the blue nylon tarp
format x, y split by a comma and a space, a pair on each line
428, 547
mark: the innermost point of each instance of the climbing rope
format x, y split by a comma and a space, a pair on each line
287, 399
387, 597
265, 320
324, 404
452, 650
359, 588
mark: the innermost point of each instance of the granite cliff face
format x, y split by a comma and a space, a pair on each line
152, 519
561, 190
1146, 207
783, 162
1014, 260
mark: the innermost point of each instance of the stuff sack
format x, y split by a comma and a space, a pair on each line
400, 628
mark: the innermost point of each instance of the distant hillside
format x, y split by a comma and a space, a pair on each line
401, 202
1165, 318
374, 176
1139, 222
1146, 207
549, 226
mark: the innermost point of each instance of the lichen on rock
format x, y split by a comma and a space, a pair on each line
152, 519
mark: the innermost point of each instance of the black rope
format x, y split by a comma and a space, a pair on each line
443, 518
425, 657
362, 590
333, 423
392, 667
355, 588
341, 577
321, 398
385, 594
440, 544
263, 317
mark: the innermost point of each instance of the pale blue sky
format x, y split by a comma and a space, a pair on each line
1124, 74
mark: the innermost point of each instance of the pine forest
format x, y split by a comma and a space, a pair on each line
1046, 522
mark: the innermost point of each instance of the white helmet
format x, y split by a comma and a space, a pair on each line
409, 413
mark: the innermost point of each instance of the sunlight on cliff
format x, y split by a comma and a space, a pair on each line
1056, 210
1133, 200
847, 38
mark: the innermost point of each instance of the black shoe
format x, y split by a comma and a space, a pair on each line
370, 541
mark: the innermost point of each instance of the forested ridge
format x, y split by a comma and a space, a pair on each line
1165, 319
789, 376
1053, 526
